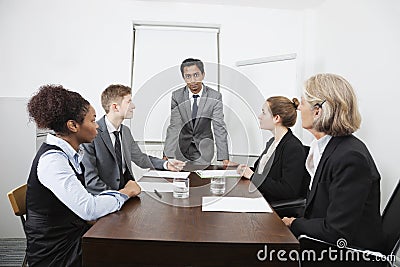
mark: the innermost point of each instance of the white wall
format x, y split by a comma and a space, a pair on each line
360, 40
87, 45
17, 143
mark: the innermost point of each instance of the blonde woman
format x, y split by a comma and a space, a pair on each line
344, 198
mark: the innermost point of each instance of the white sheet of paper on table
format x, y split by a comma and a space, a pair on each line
235, 204
218, 173
160, 187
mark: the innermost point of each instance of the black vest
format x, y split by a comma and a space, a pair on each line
52, 230
40, 199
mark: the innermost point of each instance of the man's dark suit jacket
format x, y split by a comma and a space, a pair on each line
283, 174
101, 167
182, 133
344, 201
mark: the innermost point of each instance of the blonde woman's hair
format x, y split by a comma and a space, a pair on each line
335, 96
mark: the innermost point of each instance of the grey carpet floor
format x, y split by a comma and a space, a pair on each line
12, 251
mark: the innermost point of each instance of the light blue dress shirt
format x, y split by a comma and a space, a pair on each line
55, 173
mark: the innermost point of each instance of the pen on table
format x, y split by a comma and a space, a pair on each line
157, 193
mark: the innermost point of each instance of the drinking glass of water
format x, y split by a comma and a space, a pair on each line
181, 187
217, 186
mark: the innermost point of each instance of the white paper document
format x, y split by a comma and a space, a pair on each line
160, 187
218, 173
235, 204
166, 174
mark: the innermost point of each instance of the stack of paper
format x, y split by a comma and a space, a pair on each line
235, 204
218, 173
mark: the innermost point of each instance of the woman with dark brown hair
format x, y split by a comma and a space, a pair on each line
58, 205
278, 172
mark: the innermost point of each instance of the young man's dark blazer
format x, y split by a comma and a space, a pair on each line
344, 201
283, 174
99, 160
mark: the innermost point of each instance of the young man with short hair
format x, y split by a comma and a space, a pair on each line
108, 157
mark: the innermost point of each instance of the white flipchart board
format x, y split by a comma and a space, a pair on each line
159, 49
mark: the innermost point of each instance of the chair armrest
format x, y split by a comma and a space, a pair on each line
339, 245
289, 208
313, 239
288, 203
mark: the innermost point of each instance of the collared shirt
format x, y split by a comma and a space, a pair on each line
317, 148
111, 129
55, 173
191, 96
264, 159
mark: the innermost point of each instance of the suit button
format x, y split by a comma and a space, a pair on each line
118, 180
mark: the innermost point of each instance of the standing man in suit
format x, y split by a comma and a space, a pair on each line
193, 109
108, 157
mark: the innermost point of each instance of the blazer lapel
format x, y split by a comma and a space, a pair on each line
271, 161
186, 102
278, 149
203, 100
263, 153
105, 136
325, 156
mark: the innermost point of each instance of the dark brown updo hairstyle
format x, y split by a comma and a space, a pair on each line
53, 105
286, 109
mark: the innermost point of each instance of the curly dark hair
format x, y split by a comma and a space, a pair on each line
53, 105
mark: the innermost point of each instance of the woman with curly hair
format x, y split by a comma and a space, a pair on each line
58, 205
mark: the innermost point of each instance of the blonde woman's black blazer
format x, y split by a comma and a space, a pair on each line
344, 201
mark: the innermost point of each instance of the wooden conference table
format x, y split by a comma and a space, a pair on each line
153, 231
